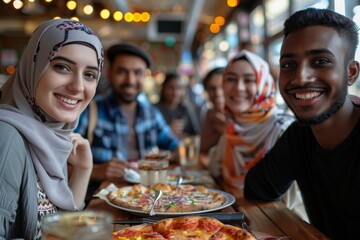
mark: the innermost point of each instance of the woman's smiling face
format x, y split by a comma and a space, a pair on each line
69, 83
240, 86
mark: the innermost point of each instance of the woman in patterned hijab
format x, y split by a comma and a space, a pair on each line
254, 121
39, 107
254, 124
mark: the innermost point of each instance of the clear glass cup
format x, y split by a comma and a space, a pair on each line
89, 225
189, 151
153, 171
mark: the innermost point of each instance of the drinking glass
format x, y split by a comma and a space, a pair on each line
189, 151
153, 171
89, 225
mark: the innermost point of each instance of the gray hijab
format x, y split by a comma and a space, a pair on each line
48, 140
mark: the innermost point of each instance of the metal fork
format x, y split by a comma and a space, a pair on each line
157, 197
178, 183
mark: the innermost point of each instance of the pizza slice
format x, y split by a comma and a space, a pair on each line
189, 227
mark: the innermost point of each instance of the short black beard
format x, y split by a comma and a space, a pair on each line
329, 112
122, 99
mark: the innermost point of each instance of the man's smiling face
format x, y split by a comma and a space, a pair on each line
126, 76
313, 75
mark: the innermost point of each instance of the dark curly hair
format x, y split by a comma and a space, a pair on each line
347, 29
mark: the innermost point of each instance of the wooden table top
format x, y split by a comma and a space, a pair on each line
264, 218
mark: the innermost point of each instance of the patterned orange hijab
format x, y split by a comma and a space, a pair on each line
256, 130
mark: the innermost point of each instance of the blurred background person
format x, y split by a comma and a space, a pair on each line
178, 113
213, 121
127, 123
194, 91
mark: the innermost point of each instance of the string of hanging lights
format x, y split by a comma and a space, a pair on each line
80, 10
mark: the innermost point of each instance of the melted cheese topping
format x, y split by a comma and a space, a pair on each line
180, 234
197, 234
138, 236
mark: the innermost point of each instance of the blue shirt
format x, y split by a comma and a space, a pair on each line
109, 136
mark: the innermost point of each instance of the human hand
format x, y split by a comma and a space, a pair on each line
177, 126
112, 170
80, 156
230, 178
174, 156
219, 103
218, 120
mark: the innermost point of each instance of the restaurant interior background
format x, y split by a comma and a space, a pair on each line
187, 36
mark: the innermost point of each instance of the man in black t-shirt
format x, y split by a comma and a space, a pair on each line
321, 150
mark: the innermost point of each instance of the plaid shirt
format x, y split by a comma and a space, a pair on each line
109, 136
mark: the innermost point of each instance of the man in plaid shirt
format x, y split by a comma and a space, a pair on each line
127, 124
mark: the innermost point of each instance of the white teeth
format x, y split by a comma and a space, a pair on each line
307, 95
240, 98
67, 100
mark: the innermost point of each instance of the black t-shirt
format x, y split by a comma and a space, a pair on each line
328, 179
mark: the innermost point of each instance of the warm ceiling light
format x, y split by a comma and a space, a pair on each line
145, 16
118, 16
10, 69
129, 17
105, 14
232, 3
6, 1
88, 9
48, 1
220, 20
214, 28
18, 4
209, 54
71, 5
31, 1
224, 46
75, 19
232, 29
137, 17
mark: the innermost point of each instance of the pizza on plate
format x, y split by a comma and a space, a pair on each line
187, 198
189, 227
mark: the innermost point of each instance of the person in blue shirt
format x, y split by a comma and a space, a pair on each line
127, 124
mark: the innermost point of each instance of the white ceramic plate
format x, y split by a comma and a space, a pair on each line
230, 199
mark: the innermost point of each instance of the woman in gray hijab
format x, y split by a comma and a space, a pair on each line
39, 107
